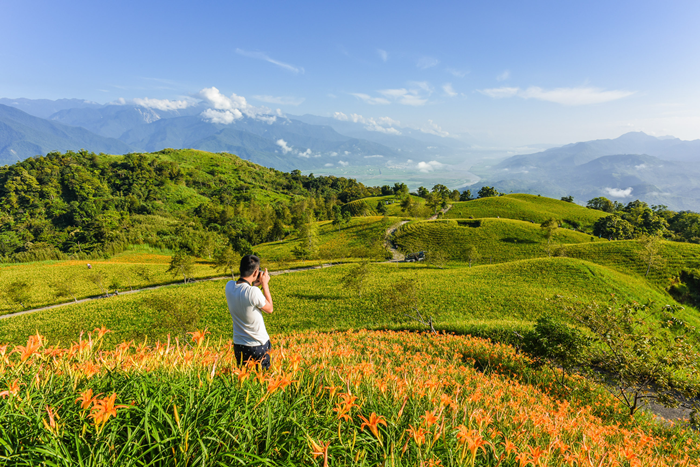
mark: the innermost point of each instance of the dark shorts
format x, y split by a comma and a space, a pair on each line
257, 353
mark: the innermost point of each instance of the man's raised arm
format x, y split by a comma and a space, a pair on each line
265, 285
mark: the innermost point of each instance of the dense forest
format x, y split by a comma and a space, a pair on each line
83, 205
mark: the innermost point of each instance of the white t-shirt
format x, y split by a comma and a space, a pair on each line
244, 303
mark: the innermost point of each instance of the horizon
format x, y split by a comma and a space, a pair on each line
504, 76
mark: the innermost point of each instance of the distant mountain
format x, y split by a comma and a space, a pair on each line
113, 121
43, 108
671, 176
23, 135
667, 148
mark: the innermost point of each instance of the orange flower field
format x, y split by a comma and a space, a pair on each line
354, 398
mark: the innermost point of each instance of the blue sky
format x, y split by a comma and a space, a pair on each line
497, 73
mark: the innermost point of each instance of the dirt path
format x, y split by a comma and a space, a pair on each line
442, 211
395, 253
127, 292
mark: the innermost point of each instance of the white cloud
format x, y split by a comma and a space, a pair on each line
344, 163
457, 73
383, 54
641, 166
427, 62
306, 154
328, 165
449, 90
619, 193
405, 96
163, 104
369, 99
265, 57
376, 156
564, 96
280, 100
340, 116
503, 76
426, 167
433, 129
283, 144
574, 96
230, 107
224, 117
498, 93
381, 124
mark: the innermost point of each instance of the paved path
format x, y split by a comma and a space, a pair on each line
395, 253
126, 292
443, 211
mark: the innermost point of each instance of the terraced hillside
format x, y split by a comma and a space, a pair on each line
496, 240
526, 208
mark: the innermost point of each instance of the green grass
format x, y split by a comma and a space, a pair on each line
509, 295
368, 206
526, 208
361, 237
496, 240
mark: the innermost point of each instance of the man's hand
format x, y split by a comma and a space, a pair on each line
263, 278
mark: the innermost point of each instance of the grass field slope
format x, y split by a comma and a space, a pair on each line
526, 208
368, 206
508, 295
496, 240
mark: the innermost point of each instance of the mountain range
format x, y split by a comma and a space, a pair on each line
32, 127
658, 170
662, 170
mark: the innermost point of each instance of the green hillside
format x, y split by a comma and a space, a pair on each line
368, 206
510, 295
496, 240
526, 208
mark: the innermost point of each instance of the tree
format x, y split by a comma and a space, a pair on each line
381, 207
568, 199
387, 190
471, 254
116, 283
19, 292
614, 228
357, 277
400, 189
549, 226
182, 264
601, 204
488, 192
99, 278
639, 356
437, 256
143, 272
454, 196
227, 260
301, 252
406, 203
556, 344
651, 251
66, 287
466, 195
422, 191
402, 301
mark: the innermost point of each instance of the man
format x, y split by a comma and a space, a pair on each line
246, 302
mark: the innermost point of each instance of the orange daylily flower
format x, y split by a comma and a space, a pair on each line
86, 398
102, 409
320, 449
12, 389
198, 336
429, 419
51, 424
101, 331
372, 423
418, 434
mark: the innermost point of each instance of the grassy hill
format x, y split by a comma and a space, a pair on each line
526, 208
496, 240
368, 206
507, 295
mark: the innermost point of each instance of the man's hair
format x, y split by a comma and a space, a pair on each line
249, 263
